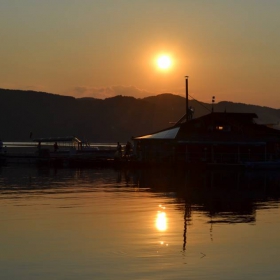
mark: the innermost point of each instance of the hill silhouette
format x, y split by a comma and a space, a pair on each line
97, 120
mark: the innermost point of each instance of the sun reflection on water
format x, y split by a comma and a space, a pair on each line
161, 220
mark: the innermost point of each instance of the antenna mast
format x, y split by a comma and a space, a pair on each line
187, 98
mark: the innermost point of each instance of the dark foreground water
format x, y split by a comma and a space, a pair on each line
149, 224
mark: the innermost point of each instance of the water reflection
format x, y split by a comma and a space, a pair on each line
224, 197
221, 196
161, 221
149, 219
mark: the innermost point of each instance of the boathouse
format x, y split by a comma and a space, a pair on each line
215, 138
218, 137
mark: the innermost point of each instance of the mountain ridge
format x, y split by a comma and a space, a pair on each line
111, 119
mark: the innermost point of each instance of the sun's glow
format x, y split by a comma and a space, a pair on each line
161, 221
164, 62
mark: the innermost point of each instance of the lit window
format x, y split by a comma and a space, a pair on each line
223, 128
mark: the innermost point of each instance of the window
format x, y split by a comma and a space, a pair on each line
223, 128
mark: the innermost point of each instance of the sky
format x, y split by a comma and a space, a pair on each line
230, 49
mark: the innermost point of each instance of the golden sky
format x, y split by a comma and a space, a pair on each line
103, 48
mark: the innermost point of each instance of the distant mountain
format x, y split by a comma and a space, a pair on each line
97, 120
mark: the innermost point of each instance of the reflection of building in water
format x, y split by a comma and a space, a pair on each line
187, 216
127, 176
224, 197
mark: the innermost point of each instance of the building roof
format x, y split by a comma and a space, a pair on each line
236, 127
165, 134
58, 139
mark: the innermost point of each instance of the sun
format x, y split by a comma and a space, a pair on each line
164, 62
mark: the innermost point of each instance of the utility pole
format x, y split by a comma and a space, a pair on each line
187, 98
213, 101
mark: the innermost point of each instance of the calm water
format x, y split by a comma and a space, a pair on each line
149, 224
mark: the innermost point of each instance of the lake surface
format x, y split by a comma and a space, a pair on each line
141, 224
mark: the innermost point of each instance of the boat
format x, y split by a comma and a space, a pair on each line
61, 151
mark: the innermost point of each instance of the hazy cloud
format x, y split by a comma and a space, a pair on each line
110, 91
